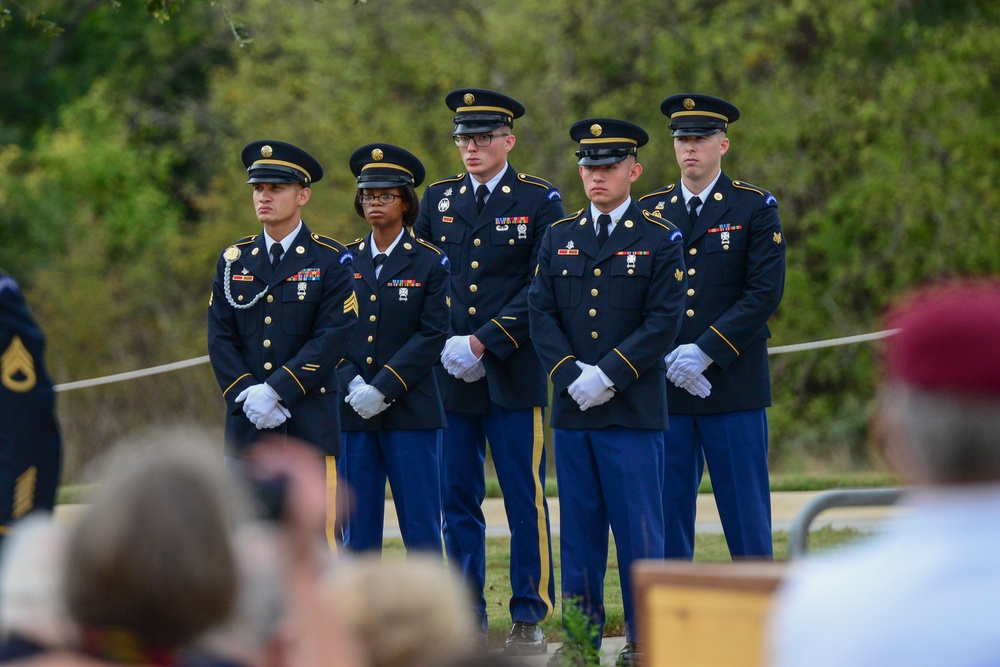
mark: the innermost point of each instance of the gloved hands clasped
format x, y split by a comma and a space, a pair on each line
366, 400
459, 361
261, 406
591, 388
686, 367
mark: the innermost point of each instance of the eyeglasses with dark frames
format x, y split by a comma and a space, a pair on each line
384, 198
481, 140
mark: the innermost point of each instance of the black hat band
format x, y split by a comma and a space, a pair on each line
281, 165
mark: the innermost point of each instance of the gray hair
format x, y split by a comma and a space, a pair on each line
954, 439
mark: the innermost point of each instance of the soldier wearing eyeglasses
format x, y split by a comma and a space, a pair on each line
490, 220
392, 412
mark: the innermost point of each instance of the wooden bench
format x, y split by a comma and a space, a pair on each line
704, 614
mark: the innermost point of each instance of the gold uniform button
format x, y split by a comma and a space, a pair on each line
302, 297
473, 288
443, 239
477, 242
597, 272
565, 272
593, 334
371, 318
322, 390
690, 292
693, 251
475, 265
472, 311
270, 298
368, 360
371, 338
690, 313
267, 342
511, 241
631, 271
268, 366
725, 247
239, 298
594, 292
267, 320
593, 312
373, 297
690, 272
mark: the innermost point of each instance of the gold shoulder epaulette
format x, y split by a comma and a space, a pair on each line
659, 192
450, 179
534, 180
429, 245
355, 242
246, 239
318, 238
743, 185
574, 216
657, 220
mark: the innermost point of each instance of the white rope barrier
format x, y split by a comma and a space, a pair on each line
178, 365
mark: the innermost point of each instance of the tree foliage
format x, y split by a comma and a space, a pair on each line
120, 178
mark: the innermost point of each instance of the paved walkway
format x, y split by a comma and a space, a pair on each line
784, 506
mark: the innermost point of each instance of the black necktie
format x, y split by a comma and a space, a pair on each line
695, 202
481, 193
379, 259
603, 222
275, 256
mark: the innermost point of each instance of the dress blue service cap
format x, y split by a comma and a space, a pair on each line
277, 162
606, 140
386, 166
693, 115
478, 110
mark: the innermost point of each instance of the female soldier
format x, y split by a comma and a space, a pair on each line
393, 415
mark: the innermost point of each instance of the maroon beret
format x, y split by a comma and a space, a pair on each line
948, 339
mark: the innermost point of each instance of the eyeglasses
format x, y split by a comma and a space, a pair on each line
481, 140
384, 198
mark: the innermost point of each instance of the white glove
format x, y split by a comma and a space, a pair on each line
368, 402
590, 389
258, 402
698, 386
457, 356
274, 418
477, 372
686, 362
357, 383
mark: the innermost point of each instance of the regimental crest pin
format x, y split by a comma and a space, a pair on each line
659, 206
447, 193
404, 293
679, 275
777, 237
570, 245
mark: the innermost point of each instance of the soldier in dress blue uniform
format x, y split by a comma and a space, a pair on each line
281, 314
30, 444
717, 367
392, 414
605, 304
490, 222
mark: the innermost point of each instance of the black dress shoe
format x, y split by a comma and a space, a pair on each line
558, 658
525, 639
631, 656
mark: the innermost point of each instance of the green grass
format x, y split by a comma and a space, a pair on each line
709, 548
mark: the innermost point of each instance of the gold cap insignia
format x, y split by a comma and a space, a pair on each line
688, 103
17, 367
469, 99
777, 237
596, 130
266, 151
679, 275
232, 253
377, 154
718, 196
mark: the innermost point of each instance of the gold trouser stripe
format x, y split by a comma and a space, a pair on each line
24, 493
537, 448
331, 503
627, 362
235, 382
559, 364
392, 370
506, 332
296, 380
725, 339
